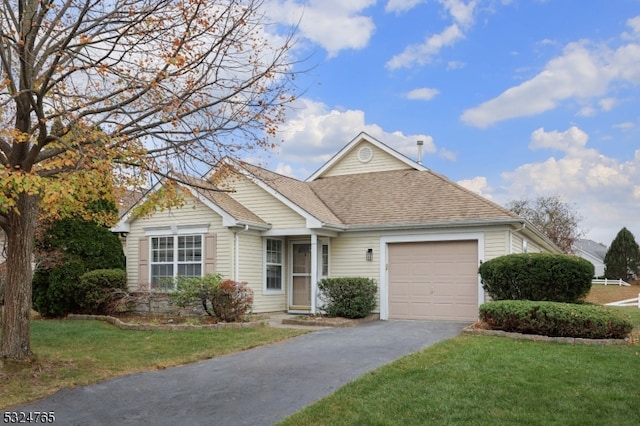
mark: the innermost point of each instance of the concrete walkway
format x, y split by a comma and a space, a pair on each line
260, 386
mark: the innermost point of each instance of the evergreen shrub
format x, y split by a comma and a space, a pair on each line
348, 297
196, 290
537, 276
96, 290
65, 250
555, 319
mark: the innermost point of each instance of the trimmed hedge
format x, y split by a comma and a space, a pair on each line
97, 289
555, 319
537, 276
348, 297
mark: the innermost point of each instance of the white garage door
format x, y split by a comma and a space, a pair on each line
433, 280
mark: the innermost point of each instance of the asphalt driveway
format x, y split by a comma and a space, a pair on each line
256, 387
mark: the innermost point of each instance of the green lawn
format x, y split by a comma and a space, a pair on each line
482, 380
75, 352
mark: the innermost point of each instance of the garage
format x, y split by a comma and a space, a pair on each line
435, 280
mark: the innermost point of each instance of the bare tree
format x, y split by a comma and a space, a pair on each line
134, 90
556, 219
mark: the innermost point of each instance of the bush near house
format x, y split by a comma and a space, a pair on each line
97, 289
537, 276
66, 249
349, 297
231, 300
191, 291
555, 319
226, 300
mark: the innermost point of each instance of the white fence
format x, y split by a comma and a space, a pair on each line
611, 282
627, 302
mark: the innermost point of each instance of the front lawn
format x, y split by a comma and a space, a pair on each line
74, 352
602, 294
481, 380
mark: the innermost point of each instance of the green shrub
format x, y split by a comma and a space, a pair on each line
65, 250
348, 297
537, 276
231, 300
196, 290
555, 319
53, 289
97, 289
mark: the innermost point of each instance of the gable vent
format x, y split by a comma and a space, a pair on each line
365, 154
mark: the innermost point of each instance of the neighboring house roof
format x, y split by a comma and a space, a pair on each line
596, 250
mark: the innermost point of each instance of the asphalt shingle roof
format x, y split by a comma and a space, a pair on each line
403, 196
223, 200
384, 198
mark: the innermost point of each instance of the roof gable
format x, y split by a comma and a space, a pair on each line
295, 194
365, 154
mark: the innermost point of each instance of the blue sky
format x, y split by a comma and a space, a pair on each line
514, 99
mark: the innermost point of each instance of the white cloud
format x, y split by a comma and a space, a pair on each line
333, 24
447, 155
634, 24
423, 53
607, 104
314, 133
603, 189
581, 72
577, 73
455, 65
461, 12
400, 6
479, 185
571, 140
587, 111
423, 94
626, 125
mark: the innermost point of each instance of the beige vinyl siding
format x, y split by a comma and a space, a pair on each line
516, 243
496, 243
348, 259
192, 213
534, 248
251, 271
380, 162
265, 205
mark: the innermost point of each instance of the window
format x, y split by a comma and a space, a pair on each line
273, 265
175, 255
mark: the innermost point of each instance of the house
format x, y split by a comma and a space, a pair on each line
592, 251
369, 211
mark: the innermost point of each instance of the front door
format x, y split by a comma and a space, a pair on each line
301, 276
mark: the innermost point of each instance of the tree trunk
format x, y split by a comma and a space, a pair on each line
16, 316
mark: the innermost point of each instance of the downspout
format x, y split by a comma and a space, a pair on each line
236, 255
